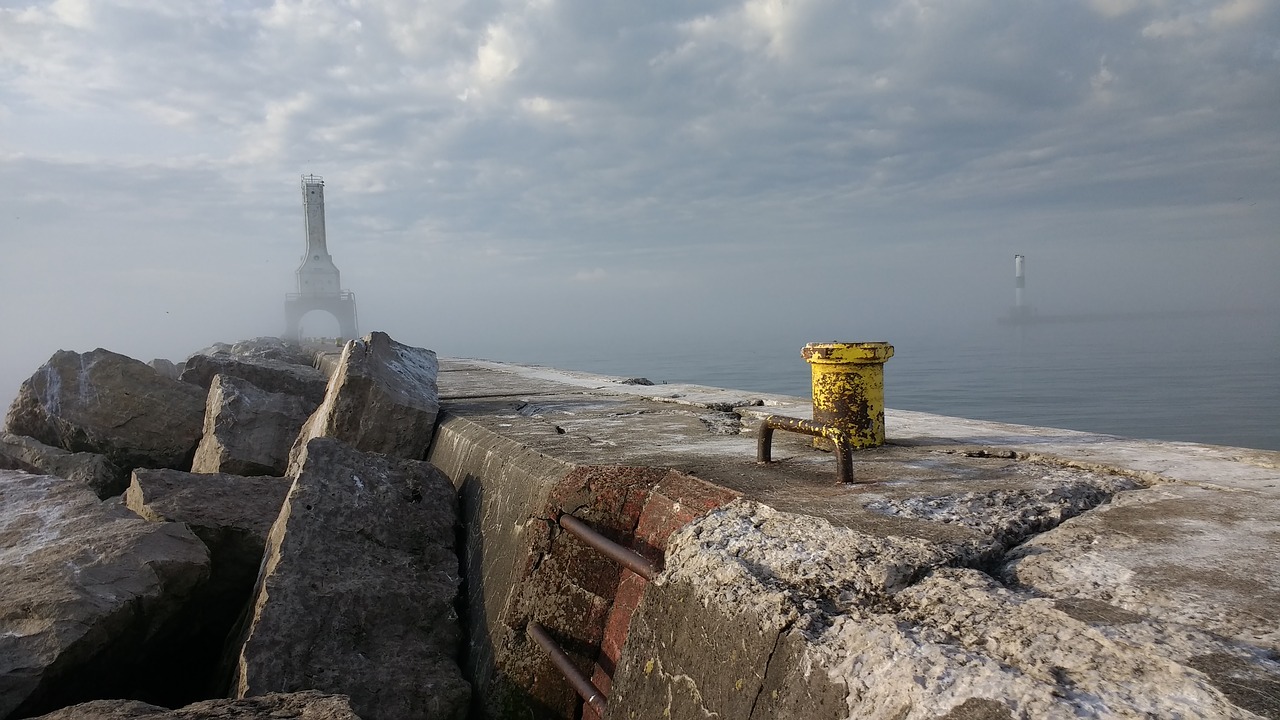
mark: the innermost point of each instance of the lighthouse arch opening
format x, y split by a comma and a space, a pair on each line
320, 325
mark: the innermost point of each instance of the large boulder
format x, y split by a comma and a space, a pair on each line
247, 430
276, 706
100, 474
232, 516
87, 587
357, 589
214, 505
103, 402
382, 398
275, 376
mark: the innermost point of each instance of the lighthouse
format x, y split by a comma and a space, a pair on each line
1019, 284
317, 275
319, 282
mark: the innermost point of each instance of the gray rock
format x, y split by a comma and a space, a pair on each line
86, 588
106, 403
356, 593
308, 705
231, 514
274, 348
100, 474
165, 368
247, 430
265, 348
276, 376
382, 399
8, 462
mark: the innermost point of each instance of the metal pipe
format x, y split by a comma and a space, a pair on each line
844, 451
581, 685
626, 557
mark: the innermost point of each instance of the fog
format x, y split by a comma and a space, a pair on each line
554, 182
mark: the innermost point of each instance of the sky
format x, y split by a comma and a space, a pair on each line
507, 177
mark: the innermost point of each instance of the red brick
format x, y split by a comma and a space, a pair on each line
602, 680
699, 495
630, 591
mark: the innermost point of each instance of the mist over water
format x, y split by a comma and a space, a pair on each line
1209, 377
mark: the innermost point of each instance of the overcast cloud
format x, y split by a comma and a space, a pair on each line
502, 174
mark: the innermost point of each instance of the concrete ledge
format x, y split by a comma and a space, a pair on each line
1014, 523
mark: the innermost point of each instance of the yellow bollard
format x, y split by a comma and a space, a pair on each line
848, 391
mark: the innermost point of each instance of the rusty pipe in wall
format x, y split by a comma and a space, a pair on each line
626, 557
581, 685
843, 450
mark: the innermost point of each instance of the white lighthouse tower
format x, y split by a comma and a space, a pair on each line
319, 283
317, 275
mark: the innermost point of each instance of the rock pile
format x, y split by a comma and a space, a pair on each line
158, 547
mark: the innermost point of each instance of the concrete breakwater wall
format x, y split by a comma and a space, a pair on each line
979, 570
976, 570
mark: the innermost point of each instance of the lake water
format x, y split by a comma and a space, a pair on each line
1211, 378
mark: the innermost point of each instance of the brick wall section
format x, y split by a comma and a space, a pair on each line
675, 501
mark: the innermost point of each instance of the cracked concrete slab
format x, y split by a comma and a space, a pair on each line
890, 627
1176, 553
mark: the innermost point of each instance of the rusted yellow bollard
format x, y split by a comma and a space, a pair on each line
848, 391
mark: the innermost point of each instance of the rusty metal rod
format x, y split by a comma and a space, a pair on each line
581, 685
626, 557
764, 441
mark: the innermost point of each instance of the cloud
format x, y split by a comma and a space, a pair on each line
594, 275
493, 146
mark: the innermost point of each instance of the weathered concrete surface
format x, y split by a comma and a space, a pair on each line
1177, 554
247, 430
761, 614
945, 501
276, 376
86, 587
382, 398
94, 470
502, 489
357, 589
522, 567
106, 403
309, 705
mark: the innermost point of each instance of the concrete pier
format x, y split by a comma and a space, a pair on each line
986, 570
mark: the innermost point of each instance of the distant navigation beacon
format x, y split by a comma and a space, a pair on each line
319, 283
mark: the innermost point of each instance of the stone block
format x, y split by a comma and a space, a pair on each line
87, 587
276, 376
94, 470
247, 430
106, 403
382, 399
165, 368
308, 705
357, 589
231, 514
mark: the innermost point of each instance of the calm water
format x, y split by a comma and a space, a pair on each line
1211, 379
